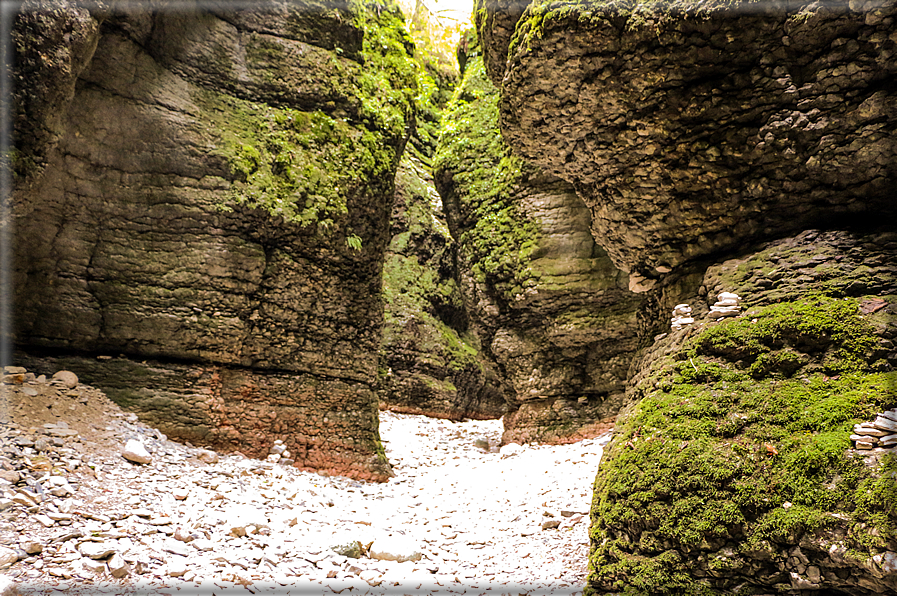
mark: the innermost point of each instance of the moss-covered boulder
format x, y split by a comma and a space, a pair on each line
732, 469
548, 306
212, 196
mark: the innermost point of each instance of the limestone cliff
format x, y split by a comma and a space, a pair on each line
432, 362
748, 148
689, 130
201, 210
548, 306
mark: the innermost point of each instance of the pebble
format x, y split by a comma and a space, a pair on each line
395, 548
118, 567
96, 550
8, 556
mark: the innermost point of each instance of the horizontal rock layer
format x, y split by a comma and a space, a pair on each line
236, 409
217, 192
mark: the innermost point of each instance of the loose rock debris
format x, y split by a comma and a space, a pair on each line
79, 514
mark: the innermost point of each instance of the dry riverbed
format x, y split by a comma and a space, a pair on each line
77, 517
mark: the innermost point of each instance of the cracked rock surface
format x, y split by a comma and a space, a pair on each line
688, 135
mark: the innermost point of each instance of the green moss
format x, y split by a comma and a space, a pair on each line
410, 290
301, 166
803, 326
388, 83
482, 174
628, 15
721, 448
304, 165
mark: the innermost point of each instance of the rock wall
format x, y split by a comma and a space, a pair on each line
496, 21
744, 148
432, 362
547, 304
202, 201
692, 131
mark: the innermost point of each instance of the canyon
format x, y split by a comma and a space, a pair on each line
268, 223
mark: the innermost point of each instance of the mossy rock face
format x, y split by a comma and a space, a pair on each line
496, 21
837, 263
550, 309
213, 188
733, 472
431, 363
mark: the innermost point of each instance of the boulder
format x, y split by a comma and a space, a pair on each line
751, 383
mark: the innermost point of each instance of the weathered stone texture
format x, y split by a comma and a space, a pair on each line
235, 409
122, 245
705, 140
566, 340
836, 262
52, 46
433, 363
692, 134
495, 22
547, 304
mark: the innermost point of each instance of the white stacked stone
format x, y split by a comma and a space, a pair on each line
279, 454
727, 305
681, 317
882, 432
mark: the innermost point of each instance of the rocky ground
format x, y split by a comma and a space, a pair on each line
77, 517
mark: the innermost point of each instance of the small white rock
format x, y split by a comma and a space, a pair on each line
208, 457
96, 550
93, 566
177, 567
395, 548
134, 451
118, 567
8, 587
510, 450
8, 557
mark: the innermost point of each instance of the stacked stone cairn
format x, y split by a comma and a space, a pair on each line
727, 305
279, 454
681, 317
882, 432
